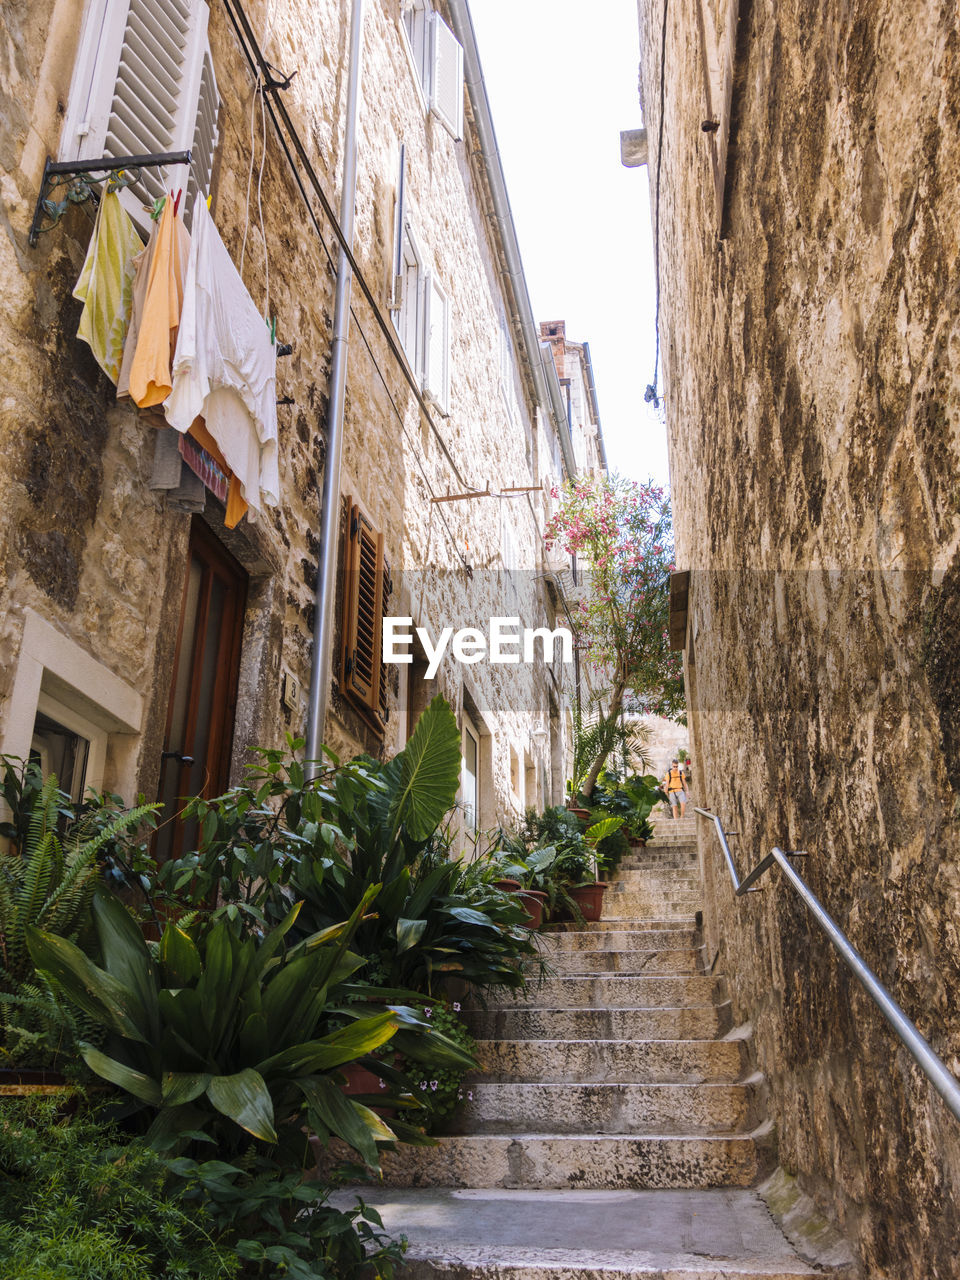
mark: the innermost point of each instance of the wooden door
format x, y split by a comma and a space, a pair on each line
203, 695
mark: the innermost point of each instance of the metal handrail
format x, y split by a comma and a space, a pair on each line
933, 1067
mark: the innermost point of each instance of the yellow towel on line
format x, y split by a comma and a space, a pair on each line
105, 286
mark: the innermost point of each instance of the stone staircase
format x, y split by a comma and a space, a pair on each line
615, 1126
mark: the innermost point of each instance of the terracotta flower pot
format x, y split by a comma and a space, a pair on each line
533, 901
589, 898
360, 1080
507, 885
637, 842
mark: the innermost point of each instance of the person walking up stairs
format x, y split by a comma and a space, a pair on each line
616, 1125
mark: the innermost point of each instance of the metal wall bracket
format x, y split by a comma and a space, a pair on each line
78, 177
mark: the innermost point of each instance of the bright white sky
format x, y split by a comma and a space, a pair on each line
562, 82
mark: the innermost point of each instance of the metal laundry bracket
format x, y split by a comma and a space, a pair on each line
76, 176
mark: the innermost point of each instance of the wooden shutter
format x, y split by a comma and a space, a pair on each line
446, 77
436, 360
365, 580
144, 84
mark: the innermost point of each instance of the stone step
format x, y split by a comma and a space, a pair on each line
485, 1234
649, 1109
609, 1061
701, 1022
618, 940
607, 1161
681, 859
666, 876
638, 905
609, 991
657, 960
615, 923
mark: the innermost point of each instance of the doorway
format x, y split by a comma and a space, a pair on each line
203, 695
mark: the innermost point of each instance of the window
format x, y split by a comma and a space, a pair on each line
436, 343
437, 57
61, 746
65, 710
420, 306
409, 317
470, 779
144, 84
366, 594
516, 781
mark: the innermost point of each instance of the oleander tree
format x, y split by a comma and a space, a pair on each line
621, 531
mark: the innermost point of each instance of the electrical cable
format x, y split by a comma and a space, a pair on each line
650, 395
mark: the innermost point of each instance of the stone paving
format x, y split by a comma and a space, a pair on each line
616, 1128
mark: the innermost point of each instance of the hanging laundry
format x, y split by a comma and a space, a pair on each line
141, 275
105, 286
149, 378
201, 454
224, 369
183, 488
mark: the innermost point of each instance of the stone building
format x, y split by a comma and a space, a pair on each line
144, 647
804, 174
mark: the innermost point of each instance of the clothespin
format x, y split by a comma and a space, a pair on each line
272, 326
158, 207
209, 198
176, 203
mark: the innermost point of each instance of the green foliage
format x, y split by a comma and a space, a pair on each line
79, 1200
219, 1035
47, 880
444, 1092
280, 1223
605, 736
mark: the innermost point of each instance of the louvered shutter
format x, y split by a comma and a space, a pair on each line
365, 578
436, 365
383, 707
446, 76
144, 84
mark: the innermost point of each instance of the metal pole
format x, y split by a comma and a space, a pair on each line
330, 510
929, 1063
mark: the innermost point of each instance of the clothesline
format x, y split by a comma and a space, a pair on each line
174, 327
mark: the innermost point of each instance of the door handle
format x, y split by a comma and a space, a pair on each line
176, 755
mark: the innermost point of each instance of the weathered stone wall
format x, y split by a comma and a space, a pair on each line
810, 365
89, 547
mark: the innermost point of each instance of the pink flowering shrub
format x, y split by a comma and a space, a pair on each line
621, 533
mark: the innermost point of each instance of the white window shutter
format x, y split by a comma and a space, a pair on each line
436, 365
446, 80
144, 84
399, 218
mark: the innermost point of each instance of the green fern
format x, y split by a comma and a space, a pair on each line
42, 884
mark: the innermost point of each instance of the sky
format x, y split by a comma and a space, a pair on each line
561, 86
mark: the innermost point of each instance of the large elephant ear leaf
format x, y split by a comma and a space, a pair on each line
426, 773
245, 1099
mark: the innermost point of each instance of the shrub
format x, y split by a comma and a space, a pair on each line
78, 1199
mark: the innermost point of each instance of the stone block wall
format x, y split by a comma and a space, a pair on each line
810, 359
84, 542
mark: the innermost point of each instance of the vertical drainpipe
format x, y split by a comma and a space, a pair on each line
330, 510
